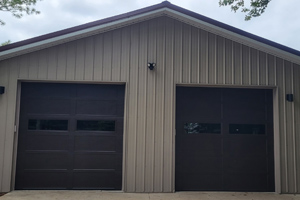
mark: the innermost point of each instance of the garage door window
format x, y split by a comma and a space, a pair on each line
255, 129
95, 125
45, 124
197, 128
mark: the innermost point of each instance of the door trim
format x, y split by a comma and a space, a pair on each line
277, 157
17, 117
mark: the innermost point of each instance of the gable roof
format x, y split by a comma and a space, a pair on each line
163, 9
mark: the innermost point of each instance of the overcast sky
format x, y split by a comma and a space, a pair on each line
280, 23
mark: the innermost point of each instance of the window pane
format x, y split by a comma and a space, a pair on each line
95, 125
44, 124
196, 128
256, 129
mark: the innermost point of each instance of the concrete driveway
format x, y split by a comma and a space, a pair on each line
106, 195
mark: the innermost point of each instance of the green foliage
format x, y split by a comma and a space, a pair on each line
5, 43
18, 7
256, 8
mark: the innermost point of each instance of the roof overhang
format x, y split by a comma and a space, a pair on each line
162, 9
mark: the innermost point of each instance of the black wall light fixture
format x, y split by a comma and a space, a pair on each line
2, 89
290, 97
151, 66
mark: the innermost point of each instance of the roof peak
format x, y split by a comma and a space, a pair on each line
166, 2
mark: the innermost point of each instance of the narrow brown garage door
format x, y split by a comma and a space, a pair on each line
224, 139
70, 136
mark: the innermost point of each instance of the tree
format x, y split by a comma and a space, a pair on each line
5, 43
18, 8
257, 7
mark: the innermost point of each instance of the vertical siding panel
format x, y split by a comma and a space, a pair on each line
71, 61
237, 61
11, 91
186, 53
98, 58
296, 83
212, 58
220, 60
132, 118
4, 73
282, 125
107, 56
271, 70
262, 68
194, 55
203, 56
24, 67
178, 51
151, 92
125, 54
43, 64
159, 111
116, 59
61, 62
254, 67
228, 62
89, 59
289, 128
246, 68
52, 64
168, 104
142, 111
79, 63
33, 66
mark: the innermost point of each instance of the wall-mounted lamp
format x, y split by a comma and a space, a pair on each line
290, 97
151, 66
2, 89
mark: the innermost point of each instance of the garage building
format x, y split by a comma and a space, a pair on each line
160, 99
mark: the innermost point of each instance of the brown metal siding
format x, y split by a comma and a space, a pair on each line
184, 54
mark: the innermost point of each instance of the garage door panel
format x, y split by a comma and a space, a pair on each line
96, 107
97, 161
204, 145
202, 110
236, 114
248, 104
94, 143
246, 164
246, 182
207, 164
93, 91
194, 181
46, 160
46, 142
239, 145
244, 111
105, 179
46, 90
47, 106
36, 179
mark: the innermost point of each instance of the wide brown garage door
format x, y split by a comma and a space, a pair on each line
70, 136
224, 139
